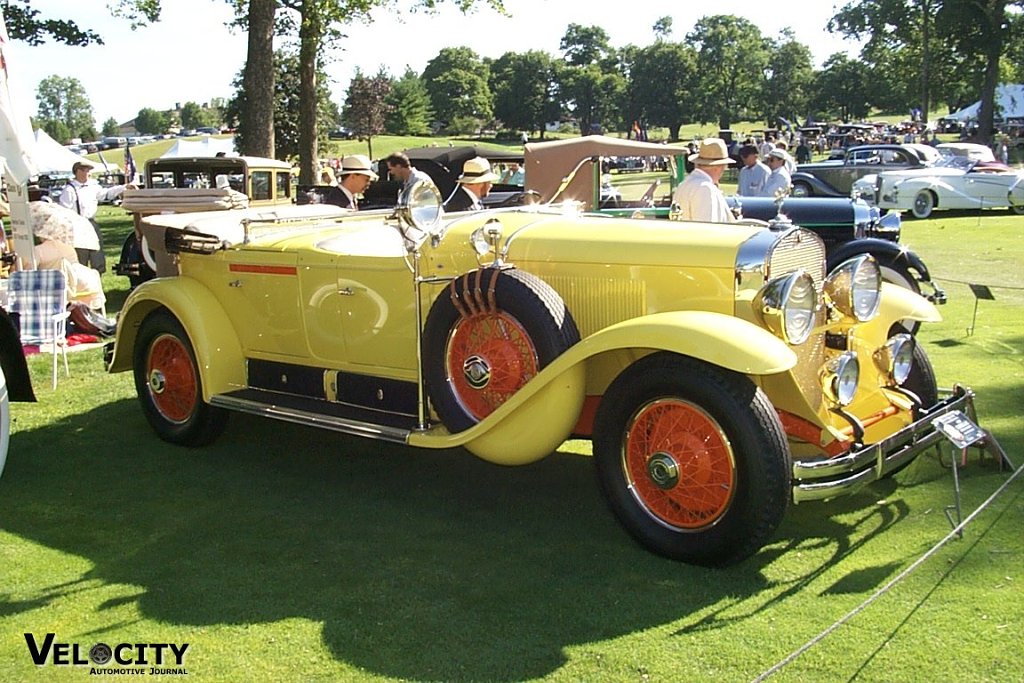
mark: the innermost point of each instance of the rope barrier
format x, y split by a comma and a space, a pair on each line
887, 587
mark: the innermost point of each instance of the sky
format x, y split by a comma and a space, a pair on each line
190, 54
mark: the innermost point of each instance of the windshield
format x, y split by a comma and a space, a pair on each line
963, 163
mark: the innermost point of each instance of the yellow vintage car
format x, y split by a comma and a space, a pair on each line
719, 371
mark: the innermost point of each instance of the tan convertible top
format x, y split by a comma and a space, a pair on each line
548, 163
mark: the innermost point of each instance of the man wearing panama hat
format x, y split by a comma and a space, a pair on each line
356, 175
474, 184
698, 197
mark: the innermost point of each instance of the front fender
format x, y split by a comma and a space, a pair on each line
218, 353
881, 250
541, 415
819, 186
899, 303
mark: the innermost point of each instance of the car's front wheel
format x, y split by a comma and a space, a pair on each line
924, 204
692, 459
801, 189
169, 384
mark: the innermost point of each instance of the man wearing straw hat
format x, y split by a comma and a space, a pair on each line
82, 195
356, 175
698, 197
474, 184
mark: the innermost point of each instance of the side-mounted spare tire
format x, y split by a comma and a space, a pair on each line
488, 334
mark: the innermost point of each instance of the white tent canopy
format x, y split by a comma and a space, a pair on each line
1009, 100
207, 147
52, 157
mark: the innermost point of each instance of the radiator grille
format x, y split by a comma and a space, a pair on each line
798, 249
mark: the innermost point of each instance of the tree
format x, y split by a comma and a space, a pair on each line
192, 116
410, 112
662, 28
258, 82
151, 121
286, 105
524, 90
788, 79
583, 45
366, 106
731, 58
840, 88
110, 128
456, 80
591, 84
24, 23
673, 68
955, 46
62, 100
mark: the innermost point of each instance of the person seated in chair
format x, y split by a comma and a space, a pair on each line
474, 184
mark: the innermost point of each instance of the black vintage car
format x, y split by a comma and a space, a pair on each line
835, 177
442, 164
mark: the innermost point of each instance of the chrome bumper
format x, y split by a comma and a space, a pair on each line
846, 473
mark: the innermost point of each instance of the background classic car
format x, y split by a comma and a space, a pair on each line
955, 182
835, 178
720, 372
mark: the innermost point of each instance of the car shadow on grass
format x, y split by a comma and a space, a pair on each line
427, 565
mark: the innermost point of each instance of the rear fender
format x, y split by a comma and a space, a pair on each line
218, 353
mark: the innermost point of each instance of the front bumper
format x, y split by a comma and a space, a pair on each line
844, 474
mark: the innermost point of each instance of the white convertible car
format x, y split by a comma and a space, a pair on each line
958, 181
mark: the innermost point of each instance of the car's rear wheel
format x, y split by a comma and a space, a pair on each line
169, 384
924, 204
133, 261
801, 189
486, 336
692, 459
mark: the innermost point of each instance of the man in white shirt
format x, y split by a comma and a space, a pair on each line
83, 195
698, 198
753, 174
779, 181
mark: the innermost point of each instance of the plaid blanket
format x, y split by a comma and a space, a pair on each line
37, 296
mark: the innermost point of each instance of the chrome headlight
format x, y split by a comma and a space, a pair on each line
787, 304
855, 287
840, 377
896, 358
485, 239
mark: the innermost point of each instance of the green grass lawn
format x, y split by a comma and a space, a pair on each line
288, 553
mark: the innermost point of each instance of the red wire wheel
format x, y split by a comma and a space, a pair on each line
678, 464
169, 384
490, 357
171, 378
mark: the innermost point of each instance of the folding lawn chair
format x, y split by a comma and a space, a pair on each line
39, 297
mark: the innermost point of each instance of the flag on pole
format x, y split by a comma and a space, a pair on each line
129, 165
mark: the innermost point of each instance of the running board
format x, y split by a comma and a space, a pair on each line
313, 413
